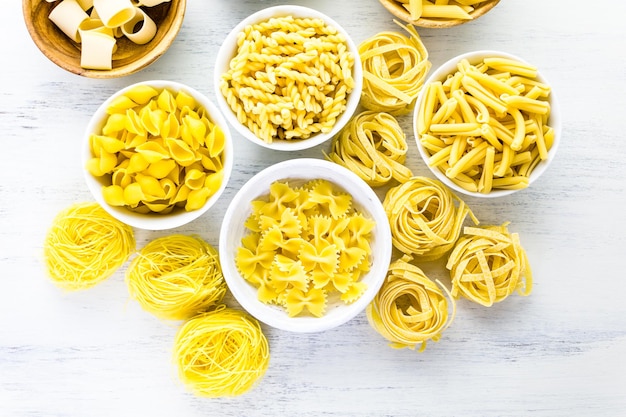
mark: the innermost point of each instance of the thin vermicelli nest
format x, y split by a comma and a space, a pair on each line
221, 353
85, 245
176, 277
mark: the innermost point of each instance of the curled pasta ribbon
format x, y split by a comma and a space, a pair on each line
425, 217
394, 69
410, 309
373, 146
305, 244
221, 353
158, 151
488, 264
289, 79
85, 245
176, 277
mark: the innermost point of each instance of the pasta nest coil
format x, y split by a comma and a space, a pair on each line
394, 70
221, 353
425, 217
410, 309
488, 264
373, 146
176, 277
86, 245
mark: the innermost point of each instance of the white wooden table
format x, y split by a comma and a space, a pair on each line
559, 352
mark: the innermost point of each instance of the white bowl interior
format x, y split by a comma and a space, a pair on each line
155, 221
450, 67
296, 172
229, 48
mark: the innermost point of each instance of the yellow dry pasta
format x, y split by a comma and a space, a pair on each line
221, 353
372, 145
176, 277
488, 264
410, 309
305, 246
426, 218
95, 26
491, 118
85, 245
158, 151
290, 78
394, 69
441, 9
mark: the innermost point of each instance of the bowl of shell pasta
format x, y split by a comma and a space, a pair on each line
157, 154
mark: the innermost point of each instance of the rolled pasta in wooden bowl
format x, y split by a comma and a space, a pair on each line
103, 38
445, 14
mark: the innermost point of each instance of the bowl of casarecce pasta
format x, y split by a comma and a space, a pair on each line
288, 77
487, 123
440, 14
305, 245
103, 38
157, 154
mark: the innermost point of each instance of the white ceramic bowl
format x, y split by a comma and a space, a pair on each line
178, 216
296, 172
449, 68
229, 49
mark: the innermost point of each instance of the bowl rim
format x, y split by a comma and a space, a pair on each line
257, 186
227, 51
151, 56
433, 23
449, 67
156, 221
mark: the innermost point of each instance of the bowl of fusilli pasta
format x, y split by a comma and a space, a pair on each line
288, 77
157, 154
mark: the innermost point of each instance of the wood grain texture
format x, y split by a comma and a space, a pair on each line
561, 351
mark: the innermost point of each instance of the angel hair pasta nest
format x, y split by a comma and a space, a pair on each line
221, 353
176, 277
86, 245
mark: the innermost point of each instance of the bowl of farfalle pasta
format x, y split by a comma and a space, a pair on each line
305, 245
157, 154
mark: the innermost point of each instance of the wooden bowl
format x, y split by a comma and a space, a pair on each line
127, 59
401, 13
